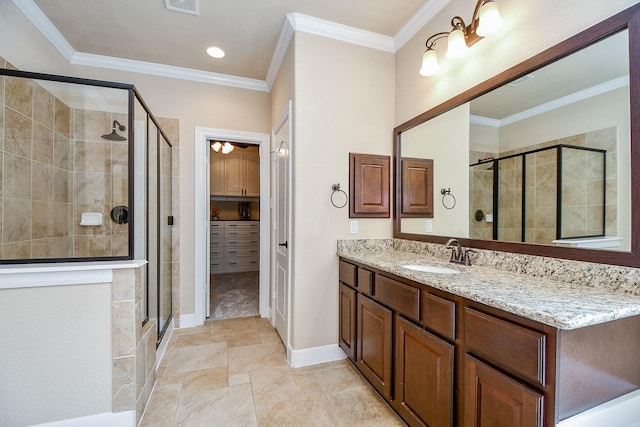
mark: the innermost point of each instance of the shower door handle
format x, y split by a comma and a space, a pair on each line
285, 244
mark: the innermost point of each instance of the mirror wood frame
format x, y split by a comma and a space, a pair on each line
626, 20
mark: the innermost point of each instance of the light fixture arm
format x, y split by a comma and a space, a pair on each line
431, 41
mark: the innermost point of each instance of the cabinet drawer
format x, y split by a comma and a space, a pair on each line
347, 273
241, 263
241, 232
241, 241
438, 314
518, 350
235, 225
242, 251
365, 281
216, 252
217, 241
216, 232
216, 266
401, 297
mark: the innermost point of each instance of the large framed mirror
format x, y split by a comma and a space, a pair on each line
542, 159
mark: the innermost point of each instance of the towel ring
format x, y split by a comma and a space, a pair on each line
448, 203
336, 189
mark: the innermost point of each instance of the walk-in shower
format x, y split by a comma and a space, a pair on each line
543, 195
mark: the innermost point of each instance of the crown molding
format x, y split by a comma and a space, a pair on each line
169, 71
418, 21
280, 51
345, 33
552, 105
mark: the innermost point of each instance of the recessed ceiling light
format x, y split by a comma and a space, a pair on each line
216, 52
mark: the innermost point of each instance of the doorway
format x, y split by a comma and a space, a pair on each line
202, 218
234, 230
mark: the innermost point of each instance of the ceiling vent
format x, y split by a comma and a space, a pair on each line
191, 7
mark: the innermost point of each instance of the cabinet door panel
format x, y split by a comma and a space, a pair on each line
424, 366
252, 174
417, 188
492, 399
374, 344
216, 175
347, 321
234, 172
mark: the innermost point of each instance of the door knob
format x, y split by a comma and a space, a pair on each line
285, 244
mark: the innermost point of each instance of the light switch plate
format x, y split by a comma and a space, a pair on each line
354, 227
429, 226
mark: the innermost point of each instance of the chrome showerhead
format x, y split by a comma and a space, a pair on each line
113, 136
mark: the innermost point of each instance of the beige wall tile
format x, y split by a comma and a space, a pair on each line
18, 250
42, 147
42, 220
92, 246
92, 188
16, 220
42, 181
92, 156
91, 125
43, 106
17, 177
41, 248
62, 119
122, 288
17, 133
61, 219
61, 149
19, 94
124, 398
122, 320
62, 247
61, 186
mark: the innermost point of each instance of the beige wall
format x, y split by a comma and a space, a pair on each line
531, 26
445, 140
344, 100
55, 361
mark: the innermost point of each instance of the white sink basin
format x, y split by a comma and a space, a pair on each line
431, 269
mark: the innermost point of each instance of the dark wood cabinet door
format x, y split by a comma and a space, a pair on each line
424, 366
417, 187
492, 399
374, 344
347, 321
369, 178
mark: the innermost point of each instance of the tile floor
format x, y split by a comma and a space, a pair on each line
234, 373
234, 295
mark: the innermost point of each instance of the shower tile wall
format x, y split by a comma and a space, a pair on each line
481, 191
54, 167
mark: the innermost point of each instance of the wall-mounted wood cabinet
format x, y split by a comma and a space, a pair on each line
236, 174
369, 176
417, 188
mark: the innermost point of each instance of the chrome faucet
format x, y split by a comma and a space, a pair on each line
459, 255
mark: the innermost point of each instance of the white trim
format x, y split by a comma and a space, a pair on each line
620, 412
345, 33
62, 274
484, 121
418, 21
314, 355
201, 213
169, 71
46, 27
187, 321
107, 419
280, 51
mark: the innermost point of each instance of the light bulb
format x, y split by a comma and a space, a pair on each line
216, 146
227, 148
457, 45
430, 65
490, 19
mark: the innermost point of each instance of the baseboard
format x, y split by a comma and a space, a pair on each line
620, 412
314, 355
107, 419
187, 321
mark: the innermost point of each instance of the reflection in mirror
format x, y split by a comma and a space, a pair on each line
537, 159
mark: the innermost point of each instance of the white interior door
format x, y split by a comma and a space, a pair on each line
281, 218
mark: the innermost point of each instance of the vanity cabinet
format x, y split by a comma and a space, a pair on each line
347, 322
236, 173
374, 343
424, 376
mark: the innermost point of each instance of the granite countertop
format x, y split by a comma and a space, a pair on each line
558, 304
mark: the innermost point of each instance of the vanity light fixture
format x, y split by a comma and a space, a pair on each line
226, 147
485, 21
